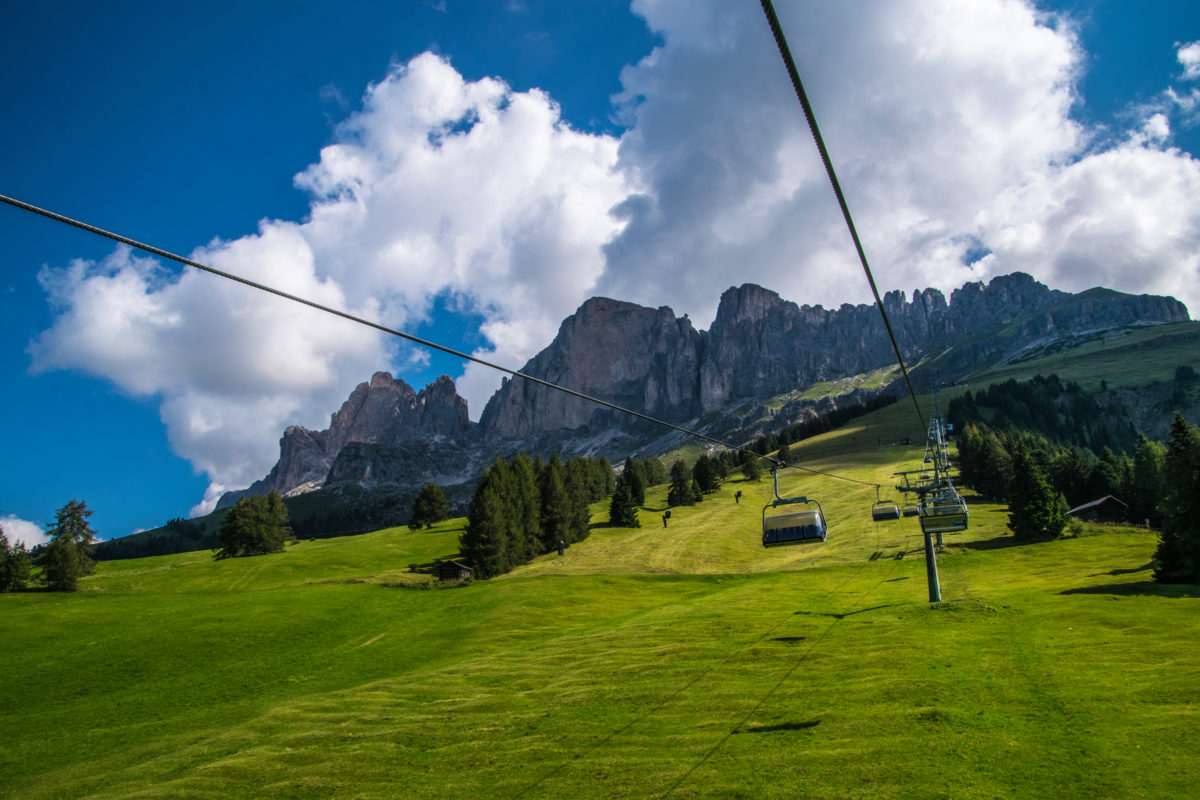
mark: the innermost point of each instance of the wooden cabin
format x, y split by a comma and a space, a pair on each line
453, 571
1106, 509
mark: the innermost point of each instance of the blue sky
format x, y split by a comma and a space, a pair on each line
458, 164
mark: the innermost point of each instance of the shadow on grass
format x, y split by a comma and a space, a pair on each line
783, 726
848, 613
1142, 568
1140, 588
996, 543
789, 639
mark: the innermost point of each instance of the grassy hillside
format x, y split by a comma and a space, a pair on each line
677, 662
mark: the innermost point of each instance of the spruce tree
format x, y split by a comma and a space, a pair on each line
68, 556
1036, 511
680, 492
484, 543
1146, 490
577, 490
751, 470
784, 455
256, 525
526, 524
621, 510
635, 481
1177, 559
557, 508
705, 473
14, 565
429, 507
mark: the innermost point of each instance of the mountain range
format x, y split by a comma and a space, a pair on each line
753, 369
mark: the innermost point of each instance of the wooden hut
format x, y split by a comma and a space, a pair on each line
453, 571
1106, 509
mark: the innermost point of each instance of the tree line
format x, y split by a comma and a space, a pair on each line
524, 508
831, 420
1039, 479
63, 560
1062, 412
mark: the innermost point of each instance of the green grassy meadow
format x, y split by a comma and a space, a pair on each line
678, 662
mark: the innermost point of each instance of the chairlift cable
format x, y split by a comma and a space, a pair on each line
781, 41
116, 237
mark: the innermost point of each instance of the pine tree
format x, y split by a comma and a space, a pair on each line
751, 470
621, 510
1146, 490
1177, 559
635, 481
680, 492
429, 507
784, 455
705, 474
556, 504
68, 556
526, 523
484, 543
1036, 511
577, 490
14, 565
256, 525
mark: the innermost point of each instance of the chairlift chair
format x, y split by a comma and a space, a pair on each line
792, 527
911, 509
945, 512
884, 509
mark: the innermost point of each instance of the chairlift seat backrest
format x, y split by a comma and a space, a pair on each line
793, 527
885, 509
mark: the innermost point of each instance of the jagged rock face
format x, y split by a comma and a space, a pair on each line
383, 410
761, 345
648, 360
636, 357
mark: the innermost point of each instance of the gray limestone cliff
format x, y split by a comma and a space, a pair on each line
385, 410
759, 346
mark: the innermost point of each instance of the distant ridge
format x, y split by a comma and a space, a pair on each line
760, 346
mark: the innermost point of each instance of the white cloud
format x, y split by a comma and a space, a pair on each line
949, 123
1189, 57
19, 530
437, 186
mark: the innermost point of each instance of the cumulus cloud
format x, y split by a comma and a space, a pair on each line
951, 130
950, 125
19, 530
437, 186
1189, 57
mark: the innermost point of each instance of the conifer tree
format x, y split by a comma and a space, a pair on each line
429, 507
751, 470
608, 477
680, 492
1177, 559
621, 510
254, 526
14, 564
68, 556
557, 507
784, 455
1036, 511
705, 474
635, 482
526, 524
578, 491
1146, 487
484, 543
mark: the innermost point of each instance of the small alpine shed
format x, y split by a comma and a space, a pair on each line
453, 571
